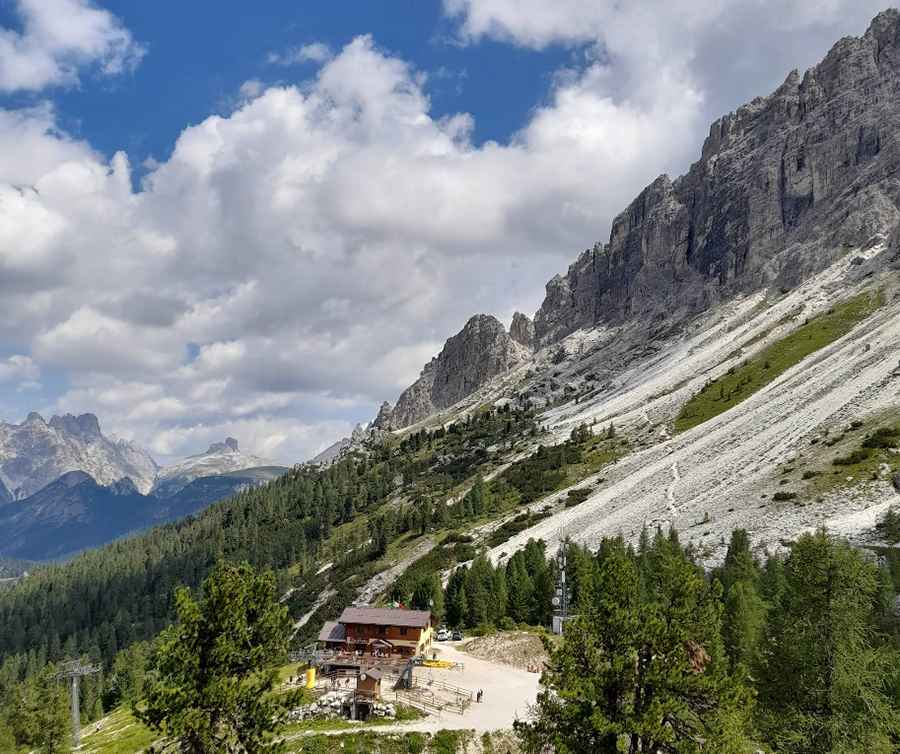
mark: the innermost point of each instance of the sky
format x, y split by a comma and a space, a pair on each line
261, 220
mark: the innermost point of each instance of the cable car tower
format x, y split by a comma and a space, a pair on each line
562, 594
74, 671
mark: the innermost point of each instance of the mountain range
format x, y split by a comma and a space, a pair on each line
790, 216
64, 486
785, 230
726, 363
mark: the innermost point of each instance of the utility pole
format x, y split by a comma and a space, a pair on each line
74, 671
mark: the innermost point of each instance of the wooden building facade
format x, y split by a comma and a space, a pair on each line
379, 632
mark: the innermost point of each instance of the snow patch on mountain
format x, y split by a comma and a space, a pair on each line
219, 458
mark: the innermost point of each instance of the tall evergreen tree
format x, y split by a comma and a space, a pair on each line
642, 677
823, 686
214, 672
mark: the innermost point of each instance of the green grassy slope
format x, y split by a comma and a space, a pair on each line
739, 383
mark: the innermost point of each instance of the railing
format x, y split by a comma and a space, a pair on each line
424, 702
458, 690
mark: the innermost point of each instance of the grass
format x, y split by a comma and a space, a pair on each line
367, 742
843, 458
120, 734
739, 383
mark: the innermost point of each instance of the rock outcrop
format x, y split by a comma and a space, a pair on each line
35, 453
481, 351
783, 186
383, 420
522, 330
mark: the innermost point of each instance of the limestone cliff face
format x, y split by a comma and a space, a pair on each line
783, 186
481, 351
522, 330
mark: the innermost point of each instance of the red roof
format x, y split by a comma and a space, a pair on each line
383, 616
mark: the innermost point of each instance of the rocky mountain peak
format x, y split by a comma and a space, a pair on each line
85, 425
383, 419
522, 330
220, 458
482, 350
784, 185
229, 446
35, 453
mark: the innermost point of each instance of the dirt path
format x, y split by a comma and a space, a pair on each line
670, 491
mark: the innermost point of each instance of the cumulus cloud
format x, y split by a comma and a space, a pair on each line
315, 52
729, 50
57, 39
297, 260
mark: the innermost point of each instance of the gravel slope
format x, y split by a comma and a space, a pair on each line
711, 479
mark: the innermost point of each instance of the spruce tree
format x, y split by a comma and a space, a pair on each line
823, 686
211, 687
635, 676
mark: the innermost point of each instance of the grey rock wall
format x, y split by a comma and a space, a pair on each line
783, 186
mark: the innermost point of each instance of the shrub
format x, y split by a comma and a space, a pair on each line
783, 496
857, 456
415, 743
576, 497
884, 437
455, 536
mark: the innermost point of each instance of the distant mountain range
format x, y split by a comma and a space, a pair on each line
64, 486
220, 458
36, 452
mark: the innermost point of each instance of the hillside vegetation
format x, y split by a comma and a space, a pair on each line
739, 383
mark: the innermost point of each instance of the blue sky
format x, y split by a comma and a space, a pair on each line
261, 220
195, 67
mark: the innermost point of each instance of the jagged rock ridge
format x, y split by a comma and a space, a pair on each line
783, 186
35, 453
482, 350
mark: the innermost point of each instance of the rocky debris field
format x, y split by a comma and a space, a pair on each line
521, 649
720, 475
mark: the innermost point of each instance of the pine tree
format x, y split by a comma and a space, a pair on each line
215, 669
39, 718
642, 677
823, 685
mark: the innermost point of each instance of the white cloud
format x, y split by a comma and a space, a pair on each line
296, 262
60, 37
19, 368
250, 89
730, 50
315, 52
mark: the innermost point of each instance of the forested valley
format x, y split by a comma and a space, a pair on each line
796, 651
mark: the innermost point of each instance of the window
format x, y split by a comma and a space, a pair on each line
382, 630
403, 631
